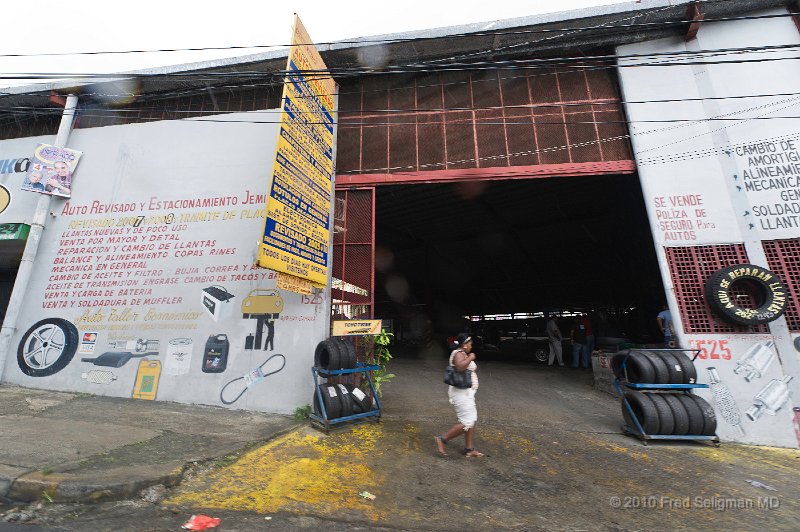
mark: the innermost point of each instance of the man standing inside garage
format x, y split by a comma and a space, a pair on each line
554, 337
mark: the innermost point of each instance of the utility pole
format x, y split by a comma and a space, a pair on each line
32, 244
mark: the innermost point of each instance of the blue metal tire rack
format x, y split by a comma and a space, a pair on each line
322, 418
637, 430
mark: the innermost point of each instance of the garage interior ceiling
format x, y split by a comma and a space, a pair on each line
491, 247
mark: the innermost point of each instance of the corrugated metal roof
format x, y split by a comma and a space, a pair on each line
585, 29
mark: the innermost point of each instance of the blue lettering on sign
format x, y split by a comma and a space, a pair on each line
302, 88
7, 166
10, 166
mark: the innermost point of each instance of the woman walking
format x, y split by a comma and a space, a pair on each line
463, 400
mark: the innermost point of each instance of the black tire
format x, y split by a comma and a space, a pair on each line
674, 367
346, 401
666, 421
709, 417
348, 353
773, 292
330, 398
696, 420
47, 347
689, 371
541, 354
640, 369
661, 373
327, 355
679, 415
362, 402
644, 410
616, 365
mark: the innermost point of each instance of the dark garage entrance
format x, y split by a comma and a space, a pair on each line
515, 247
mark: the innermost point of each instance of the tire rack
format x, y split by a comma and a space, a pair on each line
322, 419
637, 430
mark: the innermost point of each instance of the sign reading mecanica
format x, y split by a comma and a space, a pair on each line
297, 227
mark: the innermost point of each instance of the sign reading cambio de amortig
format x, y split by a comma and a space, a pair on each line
297, 226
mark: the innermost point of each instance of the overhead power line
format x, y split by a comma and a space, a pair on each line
545, 31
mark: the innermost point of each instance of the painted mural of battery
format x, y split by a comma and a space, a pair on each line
217, 302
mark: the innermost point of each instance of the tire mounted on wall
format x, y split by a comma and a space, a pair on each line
772, 289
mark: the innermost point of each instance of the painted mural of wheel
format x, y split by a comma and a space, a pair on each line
768, 289
47, 347
541, 354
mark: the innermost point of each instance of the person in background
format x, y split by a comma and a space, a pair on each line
580, 351
664, 320
587, 326
462, 399
554, 337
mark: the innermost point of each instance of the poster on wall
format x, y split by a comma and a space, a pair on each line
50, 170
297, 225
149, 288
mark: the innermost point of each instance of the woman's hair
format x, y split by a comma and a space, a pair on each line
462, 338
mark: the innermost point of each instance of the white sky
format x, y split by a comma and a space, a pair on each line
48, 26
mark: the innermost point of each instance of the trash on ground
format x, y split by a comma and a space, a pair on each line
758, 484
201, 522
367, 495
267, 518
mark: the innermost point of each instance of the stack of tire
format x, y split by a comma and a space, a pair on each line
659, 411
340, 400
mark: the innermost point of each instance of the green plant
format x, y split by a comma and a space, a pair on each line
382, 356
302, 412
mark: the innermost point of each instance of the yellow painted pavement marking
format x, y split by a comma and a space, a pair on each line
302, 471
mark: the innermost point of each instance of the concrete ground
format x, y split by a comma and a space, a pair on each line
556, 461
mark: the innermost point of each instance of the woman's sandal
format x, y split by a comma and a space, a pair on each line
472, 453
440, 443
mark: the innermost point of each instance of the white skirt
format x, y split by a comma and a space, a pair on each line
464, 402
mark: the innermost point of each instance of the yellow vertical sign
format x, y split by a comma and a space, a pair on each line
297, 227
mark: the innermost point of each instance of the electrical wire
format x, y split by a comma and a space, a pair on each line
409, 39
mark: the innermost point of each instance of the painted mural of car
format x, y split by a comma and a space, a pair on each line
262, 302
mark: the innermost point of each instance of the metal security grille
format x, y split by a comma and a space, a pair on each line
353, 249
690, 268
783, 258
484, 119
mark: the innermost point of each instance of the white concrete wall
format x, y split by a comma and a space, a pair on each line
705, 162
130, 197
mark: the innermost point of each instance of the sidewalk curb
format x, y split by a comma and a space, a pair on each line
33, 486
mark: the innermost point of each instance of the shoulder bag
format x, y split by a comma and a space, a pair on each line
459, 379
